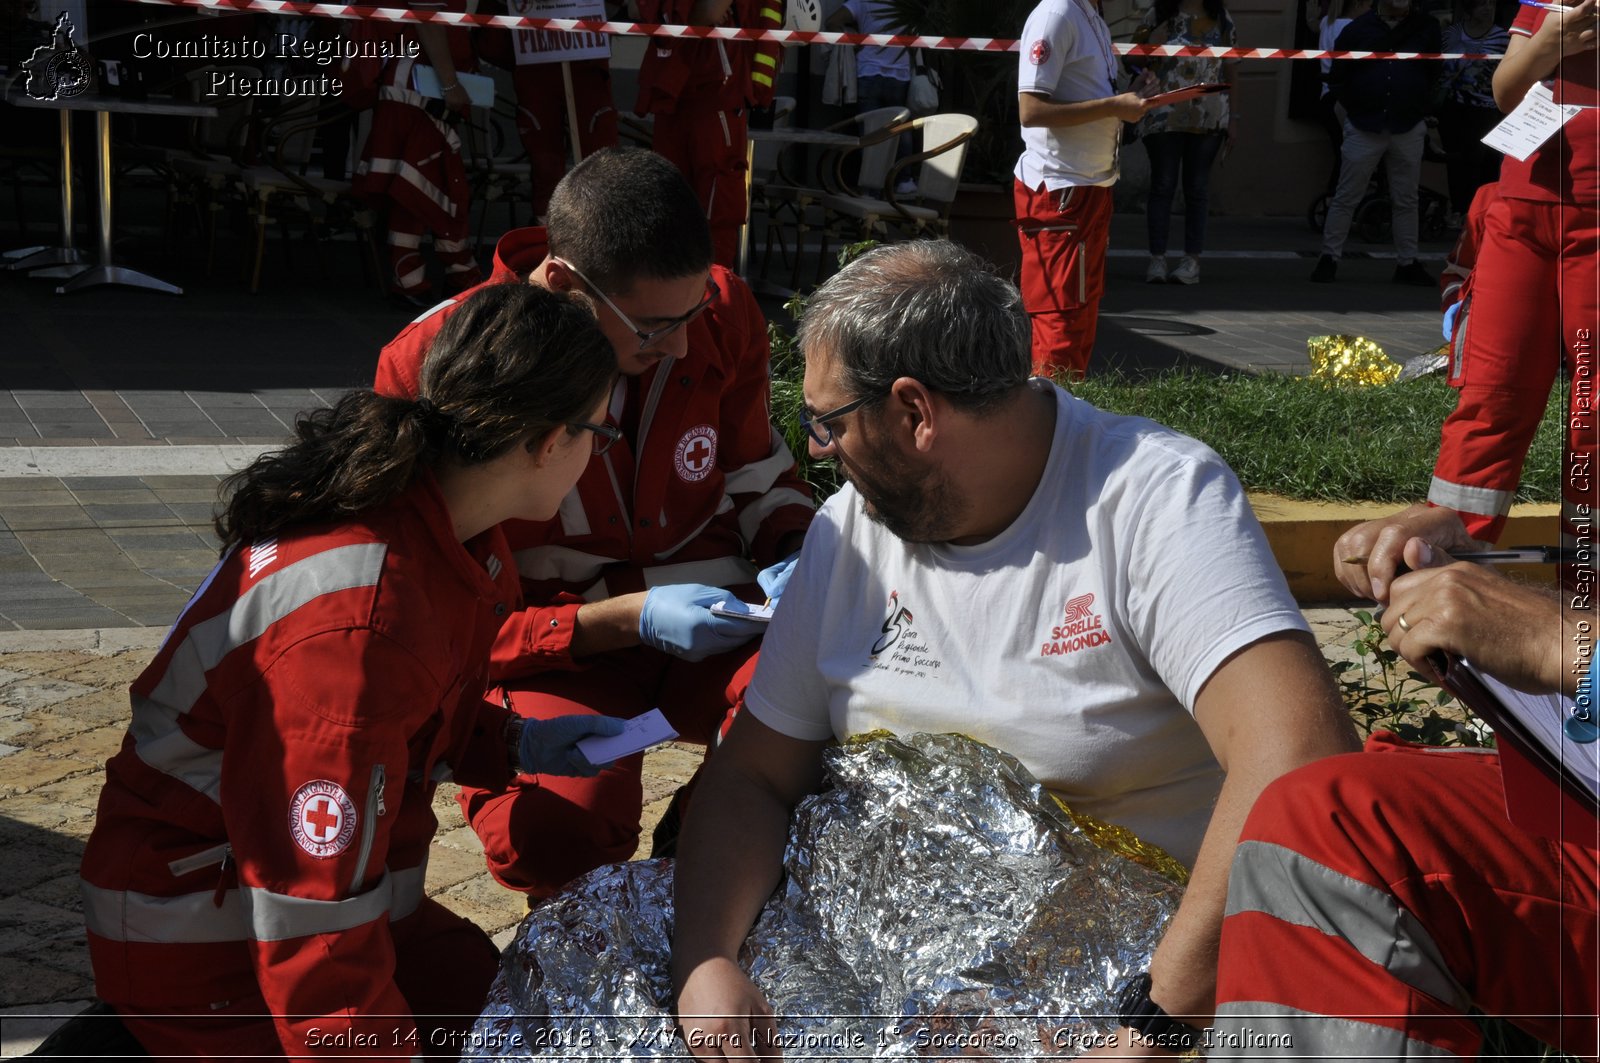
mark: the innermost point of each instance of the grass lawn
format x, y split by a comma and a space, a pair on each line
1303, 439
1290, 436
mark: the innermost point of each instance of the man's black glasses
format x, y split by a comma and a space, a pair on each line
817, 426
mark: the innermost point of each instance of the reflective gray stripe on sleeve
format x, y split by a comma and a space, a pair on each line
1464, 499
574, 521
273, 598
280, 917
196, 918
560, 562
1295, 889
189, 918
158, 739
713, 572
407, 884
1254, 1030
751, 517
760, 475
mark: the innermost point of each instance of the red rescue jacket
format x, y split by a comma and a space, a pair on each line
704, 495
677, 73
269, 814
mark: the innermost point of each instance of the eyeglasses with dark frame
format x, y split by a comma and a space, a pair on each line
651, 336
817, 426
604, 435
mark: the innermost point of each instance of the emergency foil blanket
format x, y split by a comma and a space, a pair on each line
1350, 360
936, 902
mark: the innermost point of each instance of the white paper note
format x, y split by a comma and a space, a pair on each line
1537, 118
743, 610
641, 732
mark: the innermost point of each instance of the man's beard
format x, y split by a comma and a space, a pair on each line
917, 506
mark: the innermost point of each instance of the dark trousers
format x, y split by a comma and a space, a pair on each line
1471, 162
1193, 153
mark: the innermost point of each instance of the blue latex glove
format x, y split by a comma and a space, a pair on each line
677, 619
1450, 320
550, 747
774, 578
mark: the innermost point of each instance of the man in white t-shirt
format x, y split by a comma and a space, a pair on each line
1087, 592
1072, 119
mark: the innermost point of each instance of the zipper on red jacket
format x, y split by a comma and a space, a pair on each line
375, 809
647, 414
222, 877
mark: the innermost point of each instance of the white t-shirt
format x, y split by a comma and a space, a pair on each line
1067, 57
1076, 640
875, 16
1328, 31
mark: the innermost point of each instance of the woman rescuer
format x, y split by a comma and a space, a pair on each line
254, 882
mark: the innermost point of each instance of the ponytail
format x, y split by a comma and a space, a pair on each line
511, 360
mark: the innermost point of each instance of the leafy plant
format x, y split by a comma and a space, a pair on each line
788, 375
1383, 694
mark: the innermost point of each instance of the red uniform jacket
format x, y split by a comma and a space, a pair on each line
713, 74
269, 814
708, 487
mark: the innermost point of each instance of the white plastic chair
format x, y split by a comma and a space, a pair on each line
938, 176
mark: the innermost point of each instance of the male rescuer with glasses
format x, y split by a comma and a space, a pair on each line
698, 494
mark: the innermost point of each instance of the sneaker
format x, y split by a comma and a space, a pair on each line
1157, 273
1327, 269
1413, 273
1188, 271
906, 187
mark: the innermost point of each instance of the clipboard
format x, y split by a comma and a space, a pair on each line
1544, 793
1188, 92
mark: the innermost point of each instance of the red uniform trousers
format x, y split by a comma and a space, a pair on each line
1375, 896
444, 966
542, 115
1064, 235
707, 143
544, 831
1535, 301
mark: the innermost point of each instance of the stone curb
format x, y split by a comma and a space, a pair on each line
155, 459
1302, 535
87, 640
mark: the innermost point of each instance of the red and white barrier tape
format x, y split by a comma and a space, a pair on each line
651, 29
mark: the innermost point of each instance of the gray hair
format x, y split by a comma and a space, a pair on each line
929, 310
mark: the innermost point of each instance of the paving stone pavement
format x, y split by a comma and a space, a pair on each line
63, 712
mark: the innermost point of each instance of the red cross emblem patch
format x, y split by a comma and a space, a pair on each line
696, 454
322, 818
1039, 52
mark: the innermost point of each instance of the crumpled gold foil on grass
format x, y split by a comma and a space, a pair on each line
937, 902
1350, 360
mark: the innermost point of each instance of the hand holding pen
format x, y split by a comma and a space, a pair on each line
1378, 547
1443, 607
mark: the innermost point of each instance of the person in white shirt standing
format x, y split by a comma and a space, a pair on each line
883, 75
1072, 117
